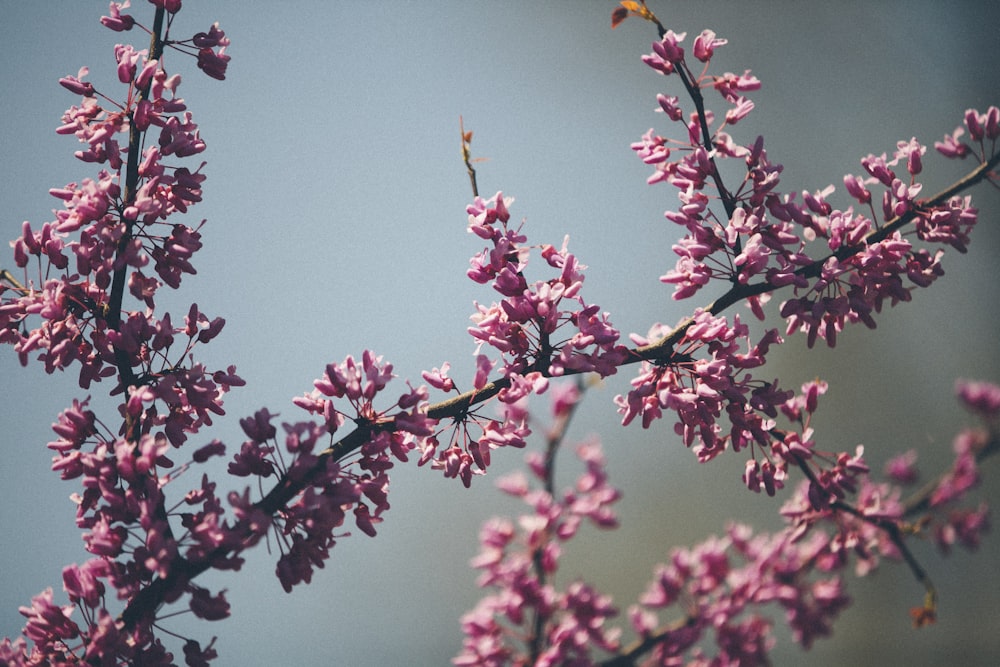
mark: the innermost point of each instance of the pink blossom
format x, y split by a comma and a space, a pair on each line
83, 584
878, 168
669, 106
438, 378
902, 469
965, 527
741, 110
964, 473
48, 625
483, 368
117, 21
172, 6
953, 146
912, 151
128, 59
214, 37
730, 85
705, 45
983, 398
196, 656
75, 84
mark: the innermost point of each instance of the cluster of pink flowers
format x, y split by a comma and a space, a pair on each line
119, 237
68, 308
842, 266
544, 326
700, 371
723, 589
528, 620
700, 390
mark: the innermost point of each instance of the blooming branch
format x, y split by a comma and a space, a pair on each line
87, 296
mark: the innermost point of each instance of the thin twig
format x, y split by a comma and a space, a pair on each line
553, 441
467, 156
921, 500
889, 526
634, 651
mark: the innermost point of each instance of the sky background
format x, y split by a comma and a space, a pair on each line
335, 202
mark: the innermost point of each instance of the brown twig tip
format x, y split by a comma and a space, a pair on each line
467, 156
927, 614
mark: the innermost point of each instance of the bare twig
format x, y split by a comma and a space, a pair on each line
467, 156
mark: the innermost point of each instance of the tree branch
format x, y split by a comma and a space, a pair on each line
661, 353
114, 313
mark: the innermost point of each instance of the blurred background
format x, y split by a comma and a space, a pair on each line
335, 202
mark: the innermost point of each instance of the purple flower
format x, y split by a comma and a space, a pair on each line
952, 146
75, 85
205, 605
705, 45
983, 398
902, 469
214, 37
213, 63
82, 582
117, 21
48, 625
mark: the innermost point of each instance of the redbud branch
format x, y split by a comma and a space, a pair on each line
661, 352
149, 599
553, 441
694, 92
131, 187
921, 500
663, 349
457, 406
982, 172
634, 651
889, 526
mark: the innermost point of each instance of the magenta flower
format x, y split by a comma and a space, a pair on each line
205, 605
705, 45
213, 63
119, 230
48, 625
983, 398
117, 21
902, 469
74, 84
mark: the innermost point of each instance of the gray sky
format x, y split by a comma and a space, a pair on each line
336, 202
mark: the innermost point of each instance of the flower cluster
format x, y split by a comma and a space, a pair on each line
541, 330
723, 588
699, 391
336, 485
544, 326
843, 264
529, 620
119, 236
720, 586
473, 435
